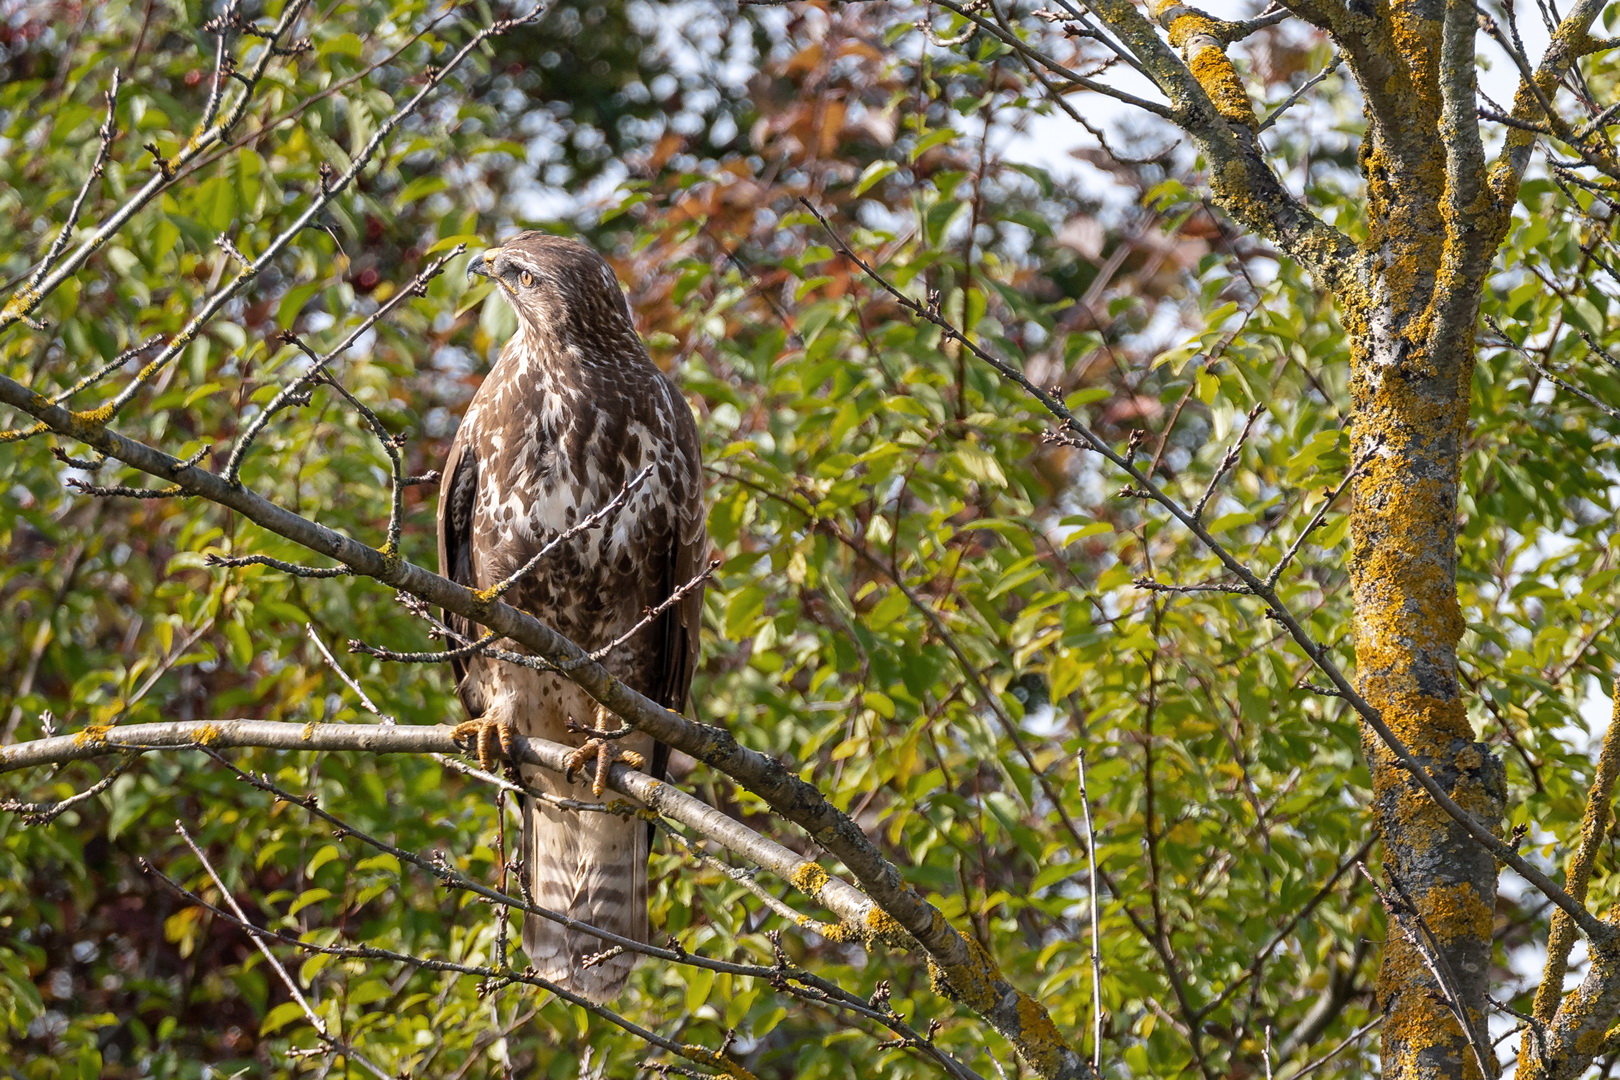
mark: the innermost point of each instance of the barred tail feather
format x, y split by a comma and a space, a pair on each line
591, 867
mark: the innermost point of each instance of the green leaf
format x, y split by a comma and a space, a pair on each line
874, 174
292, 304
241, 643
326, 854
698, 983
215, 202
306, 898
280, 1016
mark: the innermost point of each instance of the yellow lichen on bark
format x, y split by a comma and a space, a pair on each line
704, 1056
883, 926
1215, 73
808, 878
1200, 38
1419, 1026
1410, 378
1455, 912
94, 735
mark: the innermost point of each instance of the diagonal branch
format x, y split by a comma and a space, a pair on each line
329, 191
287, 980
845, 901
853, 908
1570, 41
495, 976
961, 965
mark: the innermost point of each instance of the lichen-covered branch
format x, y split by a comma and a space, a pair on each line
1211, 105
1570, 41
1540, 1057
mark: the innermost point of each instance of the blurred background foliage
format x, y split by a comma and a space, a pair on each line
924, 605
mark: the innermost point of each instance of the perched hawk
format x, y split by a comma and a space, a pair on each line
572, 412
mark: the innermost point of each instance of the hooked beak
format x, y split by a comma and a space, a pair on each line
483, 265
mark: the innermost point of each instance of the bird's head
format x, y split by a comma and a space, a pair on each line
559, 287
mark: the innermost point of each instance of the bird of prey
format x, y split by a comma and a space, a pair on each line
573, 413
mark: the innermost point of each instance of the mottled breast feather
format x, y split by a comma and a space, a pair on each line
573, 409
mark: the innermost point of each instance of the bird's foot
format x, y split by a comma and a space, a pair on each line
483, 736
605, 753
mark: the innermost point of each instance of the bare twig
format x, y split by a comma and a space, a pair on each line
1293, 99
1228, 459
1091, 900
275, 964
108, 132
42, 812
298, 388
1349, 1040
26, 299
651, 615
1330, 497
1403, 912
503, 975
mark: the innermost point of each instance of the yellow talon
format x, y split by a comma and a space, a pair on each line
483, 736
605, 753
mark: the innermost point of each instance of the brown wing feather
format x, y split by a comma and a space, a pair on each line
679, 632
689, 545
457, 491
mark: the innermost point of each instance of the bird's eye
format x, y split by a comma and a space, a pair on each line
527, 279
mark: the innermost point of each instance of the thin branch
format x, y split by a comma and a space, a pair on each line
493, 976
348, 680
1294, 98
584, 525
475, 647
295, 569
1423, 942
972, 974
124, 491
108, 132
1229, 459
1234, 588
1331, 496
1610, 410
42, 812
1096, 935
852, 907
275, 964
1349, 1040
1578, 871
649, 616
296, 390
1056, 67
329, 191
26, 299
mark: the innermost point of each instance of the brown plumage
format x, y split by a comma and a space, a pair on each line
572, 411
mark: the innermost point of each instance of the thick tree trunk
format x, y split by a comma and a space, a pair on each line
1410, 410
